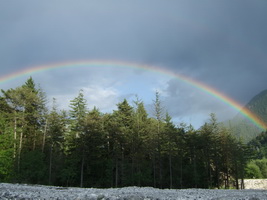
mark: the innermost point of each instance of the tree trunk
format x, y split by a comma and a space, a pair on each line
195, 170
139, 175
20, 148
133, 160
132, 172
170, 165
44, 136
227, 179
181, 173
116, 173
122, 167
227, 174
15, 137
82, 168
159, 155
154, 170
242, 186
20, 141
50, 164
236, 177
34, 140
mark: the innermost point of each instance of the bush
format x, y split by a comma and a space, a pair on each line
253, 171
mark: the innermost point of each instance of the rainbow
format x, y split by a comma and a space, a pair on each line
102, 64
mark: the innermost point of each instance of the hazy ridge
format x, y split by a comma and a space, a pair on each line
244, 128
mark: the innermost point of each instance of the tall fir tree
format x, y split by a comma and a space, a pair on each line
75, 138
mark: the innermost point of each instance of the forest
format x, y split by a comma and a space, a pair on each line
128, 147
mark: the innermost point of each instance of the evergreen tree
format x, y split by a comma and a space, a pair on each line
209, 135
7, 146
56, 127
35, 111
140, 150
169, 148
74, 143
27, 108
93, 149
124, 130
158, 112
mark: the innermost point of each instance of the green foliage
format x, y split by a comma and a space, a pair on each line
88, 148
6, 144
253, 170
257, 168
6, 157
262, 166
32, 168
259, 145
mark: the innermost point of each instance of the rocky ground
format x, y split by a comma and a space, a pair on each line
27, 192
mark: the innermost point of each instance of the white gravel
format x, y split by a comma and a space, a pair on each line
25, 192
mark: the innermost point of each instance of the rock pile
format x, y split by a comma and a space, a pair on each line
255, 184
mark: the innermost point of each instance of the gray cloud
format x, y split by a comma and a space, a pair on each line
220, 43
184, 101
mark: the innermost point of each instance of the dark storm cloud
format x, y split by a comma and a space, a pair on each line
67, 30
185, 101
221, 43
232, 53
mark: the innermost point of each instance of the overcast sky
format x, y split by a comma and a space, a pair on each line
220, 43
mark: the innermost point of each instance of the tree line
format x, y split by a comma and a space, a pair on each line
127, 147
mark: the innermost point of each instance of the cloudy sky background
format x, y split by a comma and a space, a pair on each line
220, 43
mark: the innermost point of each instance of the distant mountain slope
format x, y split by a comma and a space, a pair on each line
258, 105
242, 127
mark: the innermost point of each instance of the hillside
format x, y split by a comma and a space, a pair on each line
241, 126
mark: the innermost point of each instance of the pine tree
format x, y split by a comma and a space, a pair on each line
124, 122
91, 149
158, 112
27, 107
169, 148
35, 111
56, 125
75, 142
140, 142
94, 148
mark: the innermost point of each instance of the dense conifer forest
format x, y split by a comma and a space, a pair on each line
88, 148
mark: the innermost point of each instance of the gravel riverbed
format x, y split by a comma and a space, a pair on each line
28, 192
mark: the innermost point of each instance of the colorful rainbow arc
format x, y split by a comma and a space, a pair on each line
99, 63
